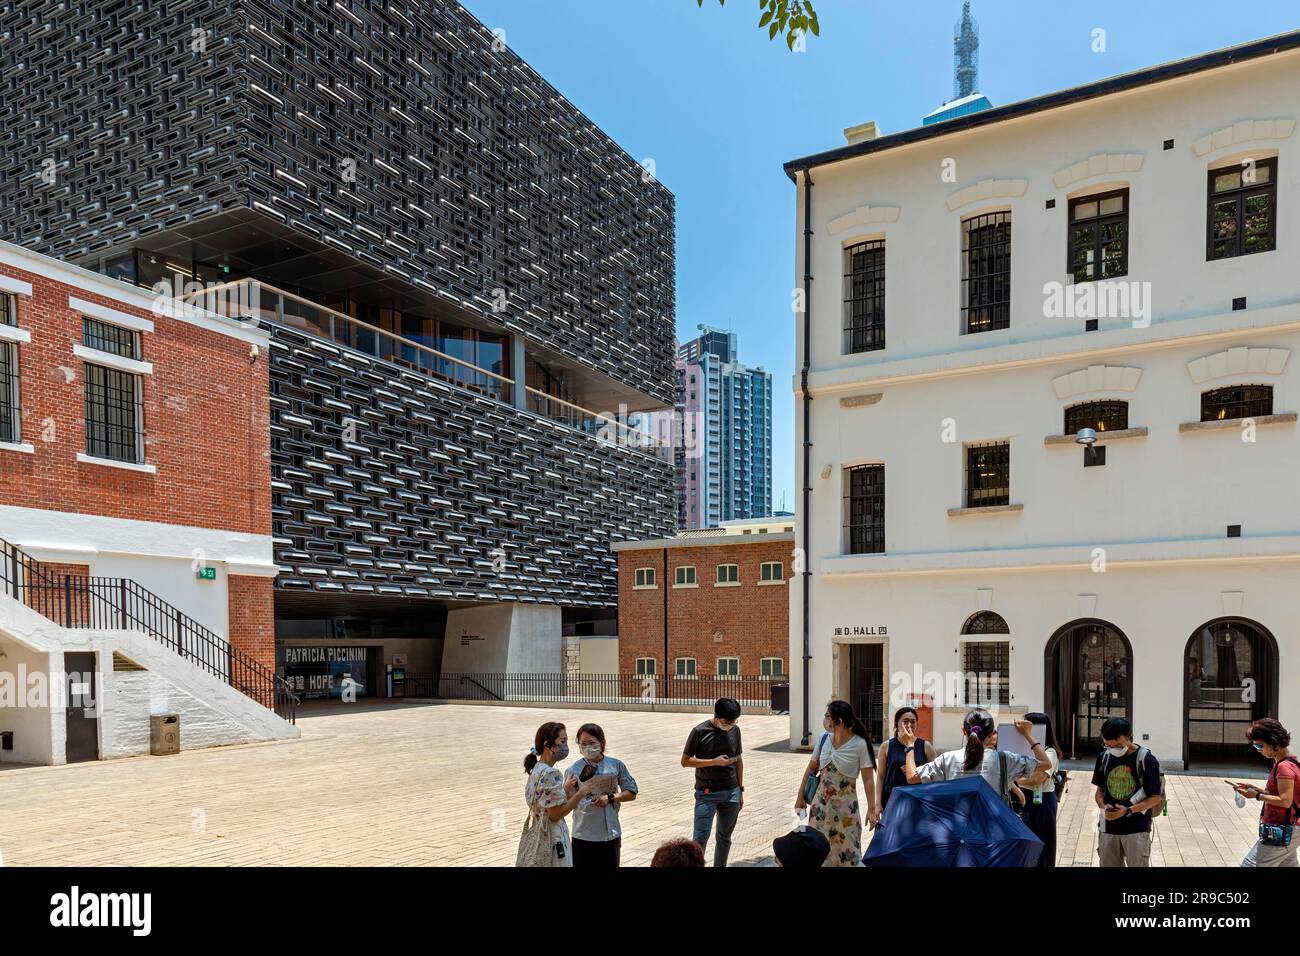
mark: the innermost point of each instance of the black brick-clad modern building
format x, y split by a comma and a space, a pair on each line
465, 279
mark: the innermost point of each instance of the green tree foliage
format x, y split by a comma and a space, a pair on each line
791, 17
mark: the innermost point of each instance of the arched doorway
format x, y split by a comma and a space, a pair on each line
1089, 679
1230, 678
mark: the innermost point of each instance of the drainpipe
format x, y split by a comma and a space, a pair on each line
807, 438
665, 588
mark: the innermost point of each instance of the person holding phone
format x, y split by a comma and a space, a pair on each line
549, 800
1127, 778
597, 837
1275, 846
713, 749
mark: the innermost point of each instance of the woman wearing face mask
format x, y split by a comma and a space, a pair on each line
1275, 846
843, 753
545, 840
597, 836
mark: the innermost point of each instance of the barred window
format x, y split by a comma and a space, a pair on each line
114, 415
864, 297
985, 666
1236, 401
986, 260
988, 475
985, 622
110, 338
8, 309
1242, 209
864, 509
10, 421
1099, 236
1099, 416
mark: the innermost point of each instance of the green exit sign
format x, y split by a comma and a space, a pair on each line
207, 574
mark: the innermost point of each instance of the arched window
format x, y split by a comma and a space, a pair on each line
985, 622
1109, 416
1236, 401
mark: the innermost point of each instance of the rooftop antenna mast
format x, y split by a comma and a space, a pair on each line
966, 55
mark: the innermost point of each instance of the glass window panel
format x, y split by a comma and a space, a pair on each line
1228, 180
1085, 210
1112, 205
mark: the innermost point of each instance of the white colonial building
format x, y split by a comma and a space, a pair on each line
1122, 257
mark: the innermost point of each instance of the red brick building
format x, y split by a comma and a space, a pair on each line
724, 593
135, 443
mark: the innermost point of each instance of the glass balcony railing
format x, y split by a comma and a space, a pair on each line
251, 299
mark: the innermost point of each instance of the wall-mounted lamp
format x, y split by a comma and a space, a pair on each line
1087, 437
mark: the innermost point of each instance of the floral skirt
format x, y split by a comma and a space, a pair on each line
834, 814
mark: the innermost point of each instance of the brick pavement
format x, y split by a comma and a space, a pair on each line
442, 784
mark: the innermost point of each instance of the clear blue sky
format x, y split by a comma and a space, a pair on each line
719, 109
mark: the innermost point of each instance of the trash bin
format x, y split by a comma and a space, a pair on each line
781, 698
164, 734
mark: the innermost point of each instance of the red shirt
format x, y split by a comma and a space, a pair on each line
1283, 768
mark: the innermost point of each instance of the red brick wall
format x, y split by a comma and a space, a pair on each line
46, 594
206, 422
252, 618
752, 620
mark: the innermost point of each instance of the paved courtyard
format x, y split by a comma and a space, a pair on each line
442, 784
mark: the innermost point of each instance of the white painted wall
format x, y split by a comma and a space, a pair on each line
176, 582
600, 655
1161, 504
29, 725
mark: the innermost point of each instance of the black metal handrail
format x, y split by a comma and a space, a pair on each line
82, 601
592, 688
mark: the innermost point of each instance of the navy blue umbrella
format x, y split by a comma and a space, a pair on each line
953, 823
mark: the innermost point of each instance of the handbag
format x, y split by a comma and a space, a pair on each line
537, 842
814, 777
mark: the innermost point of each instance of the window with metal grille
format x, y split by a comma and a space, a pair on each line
645, 577
1099, 236
728, 666
685, 667
985, 666
986, 260
864, 509
1236, 401
985, 622
1099, 416
8, 309
110, 338
988, 475
728, 574
10, 422
113, 414
645, 667
772, 571
771, 667
1242, 210
864, 297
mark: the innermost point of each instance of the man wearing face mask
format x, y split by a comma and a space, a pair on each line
597, 837
1127, 778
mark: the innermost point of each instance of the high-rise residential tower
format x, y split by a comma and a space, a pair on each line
723, 448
